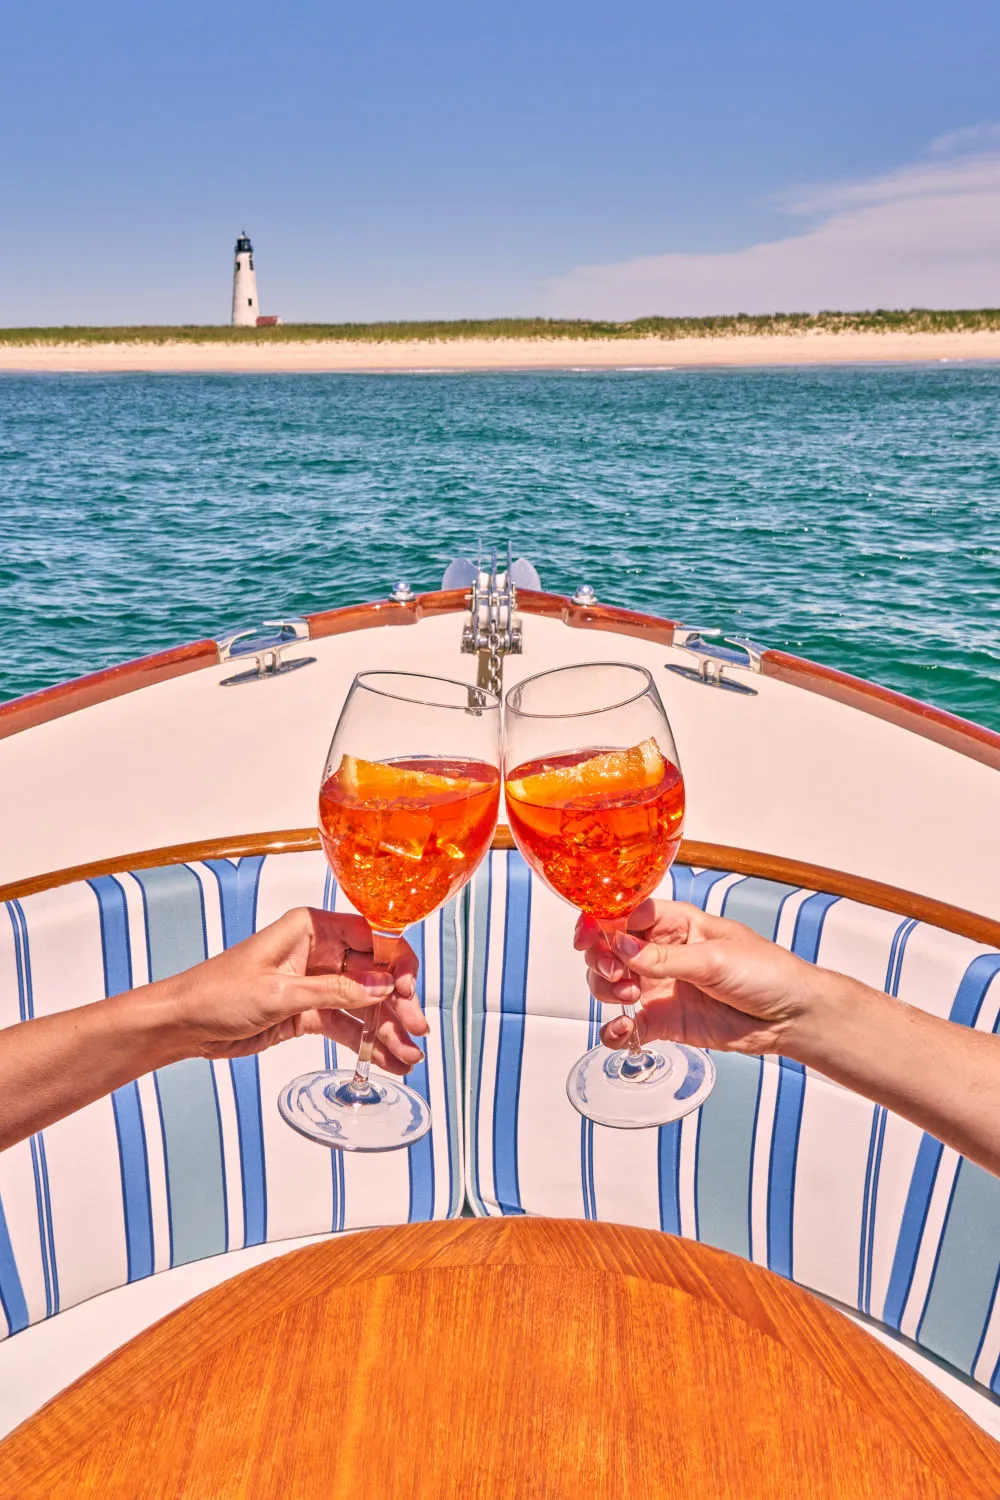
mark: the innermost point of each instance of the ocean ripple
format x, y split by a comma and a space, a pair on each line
845, 514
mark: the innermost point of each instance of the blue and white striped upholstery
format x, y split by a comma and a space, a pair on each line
780, 1165
195, 1159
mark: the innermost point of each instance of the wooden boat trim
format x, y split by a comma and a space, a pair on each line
957, 919
949, 730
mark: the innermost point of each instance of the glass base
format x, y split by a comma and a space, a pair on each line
666, 1083
324, 1107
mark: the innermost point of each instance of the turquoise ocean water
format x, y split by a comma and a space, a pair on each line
849, 515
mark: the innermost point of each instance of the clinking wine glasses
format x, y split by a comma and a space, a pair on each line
595, 799
407, 808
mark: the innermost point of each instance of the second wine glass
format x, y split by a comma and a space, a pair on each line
407, 807
595, 799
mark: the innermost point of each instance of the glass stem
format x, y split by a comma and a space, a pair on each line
611, 926
384, 945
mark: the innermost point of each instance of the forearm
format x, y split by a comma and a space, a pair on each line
943, 1077
54, 1065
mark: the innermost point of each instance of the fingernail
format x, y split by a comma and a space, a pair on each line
621, 1027
627, 945
376, 983
607, 967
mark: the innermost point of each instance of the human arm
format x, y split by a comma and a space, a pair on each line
285, 981
714, 983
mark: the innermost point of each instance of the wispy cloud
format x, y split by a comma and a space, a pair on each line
927, 235
982, 137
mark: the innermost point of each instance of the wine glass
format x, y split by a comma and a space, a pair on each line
595, 799
407, 807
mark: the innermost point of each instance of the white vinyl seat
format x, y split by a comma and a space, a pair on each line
780, 1165
194, 1161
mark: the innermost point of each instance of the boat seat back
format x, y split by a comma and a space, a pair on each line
194, 1160
780, 1165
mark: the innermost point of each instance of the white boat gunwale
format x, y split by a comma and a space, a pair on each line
944, 728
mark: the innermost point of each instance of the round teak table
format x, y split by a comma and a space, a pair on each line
519, 1358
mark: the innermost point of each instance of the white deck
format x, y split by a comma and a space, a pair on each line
787, 772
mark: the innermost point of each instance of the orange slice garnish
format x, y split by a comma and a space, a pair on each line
612, 773
377, 781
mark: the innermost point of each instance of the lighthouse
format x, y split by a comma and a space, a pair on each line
245, 306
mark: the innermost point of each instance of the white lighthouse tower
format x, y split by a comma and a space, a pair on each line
245, 305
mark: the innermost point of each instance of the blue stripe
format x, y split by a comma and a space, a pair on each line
338, 1209
587, 1126
22, 961
965, 1010
116, 947
510, 1050
784, 1161
238, 885
694, 889
876, 1137
911, 1229
725, 1153
421, 1153
809, 921
44, 1241
787, 1127
668, 1166
130, 1130
971, 993
451, 999
963, 1281
894, 969
12, 1300
39, 1166
758, 904
176, 939
870, 1205
480, 911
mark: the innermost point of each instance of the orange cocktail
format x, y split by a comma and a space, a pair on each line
602, 827
402, 836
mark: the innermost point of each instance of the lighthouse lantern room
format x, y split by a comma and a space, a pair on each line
245, 306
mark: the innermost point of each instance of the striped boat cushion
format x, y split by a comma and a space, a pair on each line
780, 1165
195, 1159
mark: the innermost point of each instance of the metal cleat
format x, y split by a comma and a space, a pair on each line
714, 653
266, 642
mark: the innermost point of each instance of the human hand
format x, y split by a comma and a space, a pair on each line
700, 979
309, 973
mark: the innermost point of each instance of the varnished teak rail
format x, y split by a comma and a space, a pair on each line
892, 898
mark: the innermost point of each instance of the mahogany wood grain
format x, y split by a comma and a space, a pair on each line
98, 687
515, 1358
981, 929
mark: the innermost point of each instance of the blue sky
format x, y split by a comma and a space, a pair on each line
401, 160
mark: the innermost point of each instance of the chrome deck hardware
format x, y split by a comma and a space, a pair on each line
266, 642
401, 592
713, 653
492, 630
585, 594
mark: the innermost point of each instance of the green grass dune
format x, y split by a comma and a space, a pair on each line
915, 320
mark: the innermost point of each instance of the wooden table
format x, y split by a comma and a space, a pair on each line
523, 1358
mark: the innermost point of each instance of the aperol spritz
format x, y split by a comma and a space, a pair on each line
407, 808
595, 799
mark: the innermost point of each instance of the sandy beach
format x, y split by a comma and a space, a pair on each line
506, 354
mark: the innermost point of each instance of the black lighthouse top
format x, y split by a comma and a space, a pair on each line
243, 243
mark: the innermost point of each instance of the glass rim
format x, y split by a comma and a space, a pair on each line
361, 679
583, 713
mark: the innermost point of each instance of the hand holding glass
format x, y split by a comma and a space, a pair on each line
408, 804
595, 799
